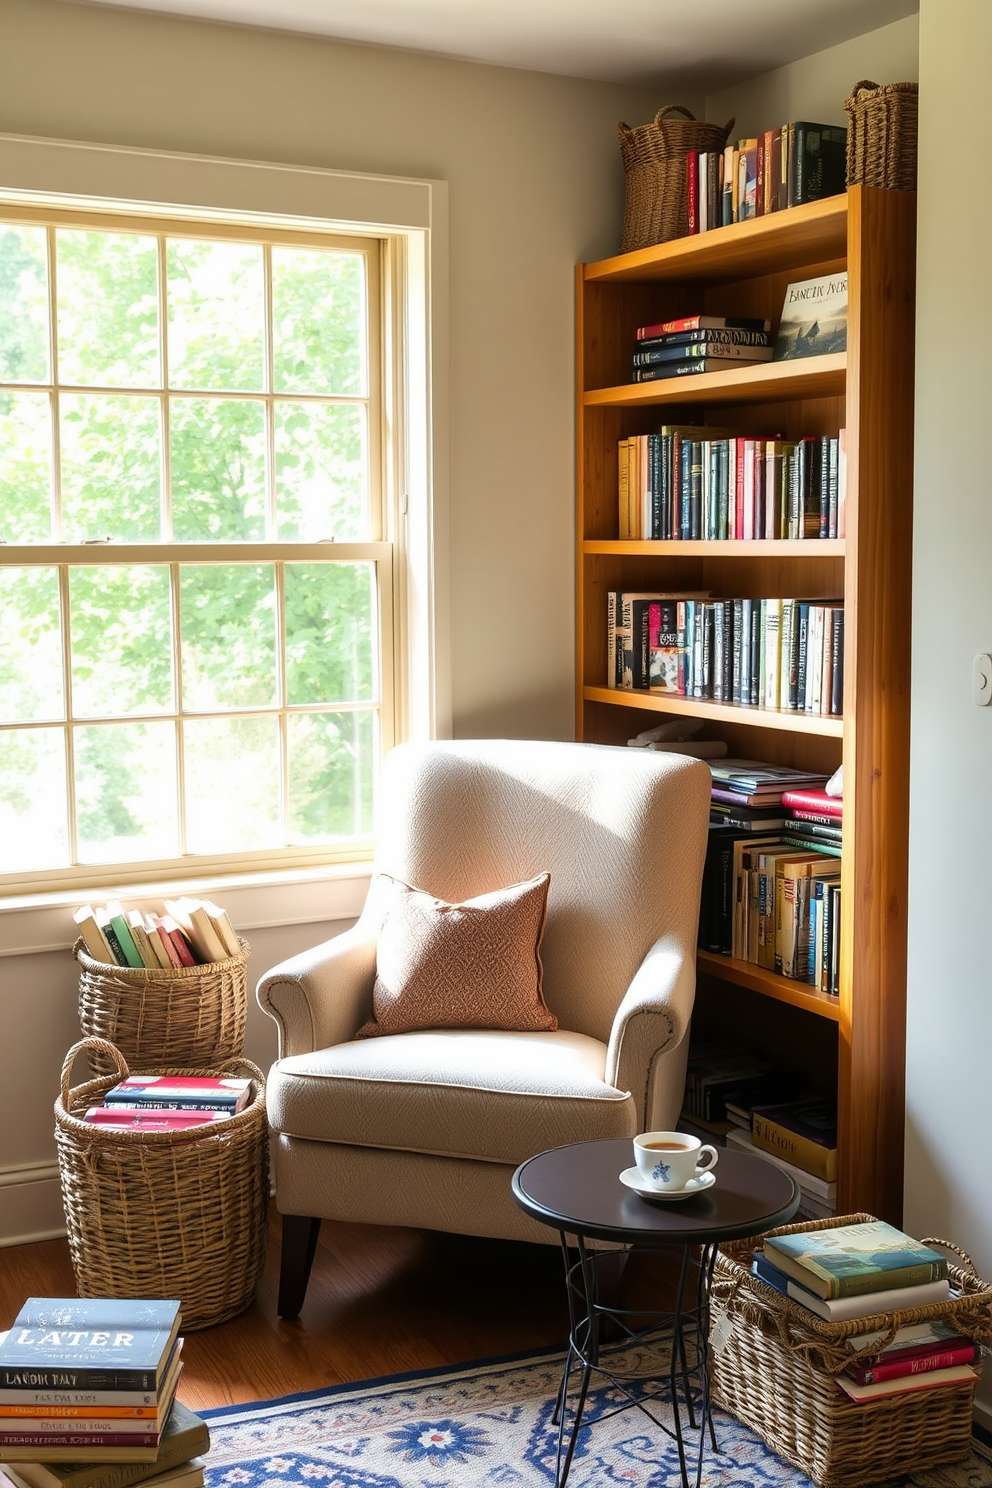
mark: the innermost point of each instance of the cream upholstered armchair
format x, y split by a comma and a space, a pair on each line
425, 1128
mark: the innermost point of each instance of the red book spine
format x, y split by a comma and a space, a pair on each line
692, 189
737, 526
79, 1439
922, 1363
814, 800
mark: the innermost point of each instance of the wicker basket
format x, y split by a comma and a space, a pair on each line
164, 1214
775, 1368
655, 205
191, 1016
881, 135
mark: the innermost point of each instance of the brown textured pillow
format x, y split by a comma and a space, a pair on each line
470, 965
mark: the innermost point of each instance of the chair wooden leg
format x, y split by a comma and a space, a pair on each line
299, 1241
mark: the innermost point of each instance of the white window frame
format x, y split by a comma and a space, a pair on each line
411, 217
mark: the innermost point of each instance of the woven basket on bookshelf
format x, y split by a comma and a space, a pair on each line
164, 1214
192, 1015
775, 1369
881, 135
655, 206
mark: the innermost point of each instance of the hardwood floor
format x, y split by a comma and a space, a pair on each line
380, 1301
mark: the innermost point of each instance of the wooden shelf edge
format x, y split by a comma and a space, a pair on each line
814, 377
768, 984
828, 727
818, 228
812, 547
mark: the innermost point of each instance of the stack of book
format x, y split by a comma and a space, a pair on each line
687, 483
859, 1270
190, 932
798, 1133
780, 168
700, 343
171, 1102
87, 1396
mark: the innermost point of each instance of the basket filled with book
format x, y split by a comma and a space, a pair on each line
852, 1349
168, 990
164, 1182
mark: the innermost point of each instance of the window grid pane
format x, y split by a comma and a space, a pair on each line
118, 785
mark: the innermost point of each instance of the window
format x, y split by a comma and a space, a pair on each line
196, 586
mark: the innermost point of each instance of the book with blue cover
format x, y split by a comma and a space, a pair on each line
847, 1260
97, 1343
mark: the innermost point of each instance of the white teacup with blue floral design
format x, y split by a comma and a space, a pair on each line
671, 1159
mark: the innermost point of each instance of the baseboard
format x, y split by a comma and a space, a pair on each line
30, 1204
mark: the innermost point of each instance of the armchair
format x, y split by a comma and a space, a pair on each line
426, 1128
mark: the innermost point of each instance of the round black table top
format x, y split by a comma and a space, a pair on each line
577, 1189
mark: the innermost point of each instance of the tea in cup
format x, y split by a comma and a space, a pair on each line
671, 1159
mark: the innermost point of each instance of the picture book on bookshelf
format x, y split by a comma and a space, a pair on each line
814, 318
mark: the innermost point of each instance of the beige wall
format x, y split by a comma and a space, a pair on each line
535, 183
948, 1106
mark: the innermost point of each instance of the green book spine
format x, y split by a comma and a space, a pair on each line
126, 940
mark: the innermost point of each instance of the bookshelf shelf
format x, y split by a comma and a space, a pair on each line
765, 718
780, 989
744, 270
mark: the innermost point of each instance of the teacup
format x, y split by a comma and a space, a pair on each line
671, 1159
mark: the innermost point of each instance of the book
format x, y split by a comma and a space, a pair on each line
110, 935
122, 930
198, 928
684, 367
79, 1401
177, 939
817, 161
191, 1092
848, 1260
222, 924
804, 1131
703, 322
136, 925
849, 1309
129, 1118
185, 1437
183, 1473
814, 318
157, 944
94, 940
931, 1379
916, 1343
813, 798
921, 1362
748, 352
724, 336
808, 1182
89, 1343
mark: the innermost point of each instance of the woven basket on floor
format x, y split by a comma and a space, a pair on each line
655, 205
881, 135
773, 1362
164, 1214
192, 1015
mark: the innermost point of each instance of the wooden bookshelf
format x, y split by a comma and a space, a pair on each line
744, 270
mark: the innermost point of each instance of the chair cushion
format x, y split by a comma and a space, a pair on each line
488, 1096
471, 965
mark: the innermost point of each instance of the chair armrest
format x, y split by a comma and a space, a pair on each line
652, 1023
323, 996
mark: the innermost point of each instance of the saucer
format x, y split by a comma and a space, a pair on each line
632, 1178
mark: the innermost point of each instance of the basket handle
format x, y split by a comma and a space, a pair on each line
102, 1046
946, 1245
864, 86
672, 108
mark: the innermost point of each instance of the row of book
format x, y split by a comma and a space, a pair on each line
783, 167
88, 1396
686, 483
190, 932
847, 1272
160, 1103
786, 654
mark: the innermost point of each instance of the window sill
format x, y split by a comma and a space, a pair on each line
32, 923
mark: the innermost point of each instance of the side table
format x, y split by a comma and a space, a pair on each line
577, 1191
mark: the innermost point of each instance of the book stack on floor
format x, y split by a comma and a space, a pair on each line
190, 932
718, 1074
165, 1103
861, 1270
87, 1397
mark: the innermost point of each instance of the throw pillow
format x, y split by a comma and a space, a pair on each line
470, 965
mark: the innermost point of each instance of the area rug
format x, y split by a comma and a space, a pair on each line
488, 1425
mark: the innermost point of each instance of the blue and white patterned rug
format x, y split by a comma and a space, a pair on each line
486, 1425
